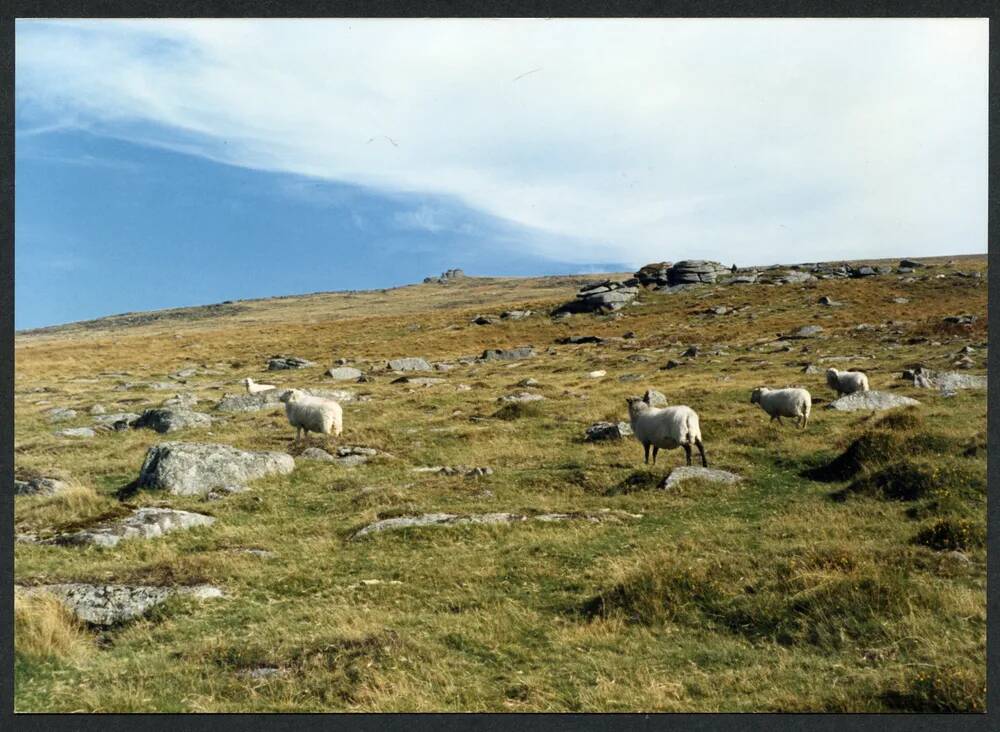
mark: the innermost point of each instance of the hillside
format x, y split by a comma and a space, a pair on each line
563, 578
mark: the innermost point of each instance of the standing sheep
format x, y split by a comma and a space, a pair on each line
312, 414
665, 428
255, 388
795, 403
846, 382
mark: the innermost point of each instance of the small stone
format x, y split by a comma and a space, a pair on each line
597, 374
82, 432
344, 373
690, 472
605, 431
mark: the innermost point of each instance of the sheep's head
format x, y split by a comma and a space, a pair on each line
756, 394
636, 405
832, 378
290, 396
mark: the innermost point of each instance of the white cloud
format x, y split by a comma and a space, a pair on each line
633, 140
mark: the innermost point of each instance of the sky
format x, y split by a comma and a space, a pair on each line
163, 163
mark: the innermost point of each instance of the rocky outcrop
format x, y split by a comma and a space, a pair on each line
694, 271
190, 468
447, 276
601, 297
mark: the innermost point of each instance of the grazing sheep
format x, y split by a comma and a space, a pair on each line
665, 428
779, 403
312, 414
254, 388
846, 382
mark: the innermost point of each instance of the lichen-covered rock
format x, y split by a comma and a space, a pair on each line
82, 432
107, 605
60, 414
344, 373
604, 431
143, 523
871, 401
189, 468
508, 354
450, 519
39, 486
692, 472
170, 420
282, 363
410, 363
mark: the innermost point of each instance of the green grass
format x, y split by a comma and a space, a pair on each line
769, 595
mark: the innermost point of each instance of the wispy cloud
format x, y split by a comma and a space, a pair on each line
633, 140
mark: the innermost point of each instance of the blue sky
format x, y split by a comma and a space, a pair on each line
167, 163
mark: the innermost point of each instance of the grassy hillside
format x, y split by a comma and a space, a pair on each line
865, 592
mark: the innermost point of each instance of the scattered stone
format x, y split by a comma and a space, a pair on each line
107, 605
806, 331
654, 398
482, 320
603, 431
691, 352
528, 382
949, 380
628, 335
450, 519
671, 364
828, 301
578, 340
419, 380
110, 419
911, 264
83, 432
515, 314
282, 363
441, 366
871, 401
464, 470
344, 373
39, 486
183, 374
171, 420
627, 378
597, 374
409, 364
691, 472
522, 396
812, 369
180, 401
352, 455
316, 453
61, 414
901, 300
960, 319
189, 468
509, 354
143, 523
97, 409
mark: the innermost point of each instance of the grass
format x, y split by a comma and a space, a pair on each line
763, 596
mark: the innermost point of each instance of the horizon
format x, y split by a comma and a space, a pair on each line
166, 164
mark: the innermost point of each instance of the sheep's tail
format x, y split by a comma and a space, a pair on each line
692, 428
338, 422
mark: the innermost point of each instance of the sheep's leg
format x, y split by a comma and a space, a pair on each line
645, 447
655, 450
701, 449
804, 419
298, 434
687, 451
776, 417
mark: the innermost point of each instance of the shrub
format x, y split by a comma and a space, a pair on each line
44, 628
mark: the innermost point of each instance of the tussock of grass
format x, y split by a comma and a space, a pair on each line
819, 600
951, 535
957, 689
44, 629
518, 410
639, 480
912, 480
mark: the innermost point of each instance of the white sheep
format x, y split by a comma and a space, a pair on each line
665, 428
312, 413
795, 403
846, 382
255, 388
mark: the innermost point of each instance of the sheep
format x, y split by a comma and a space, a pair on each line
312, 414
255, 388
846, 382
665, 428
783, 403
